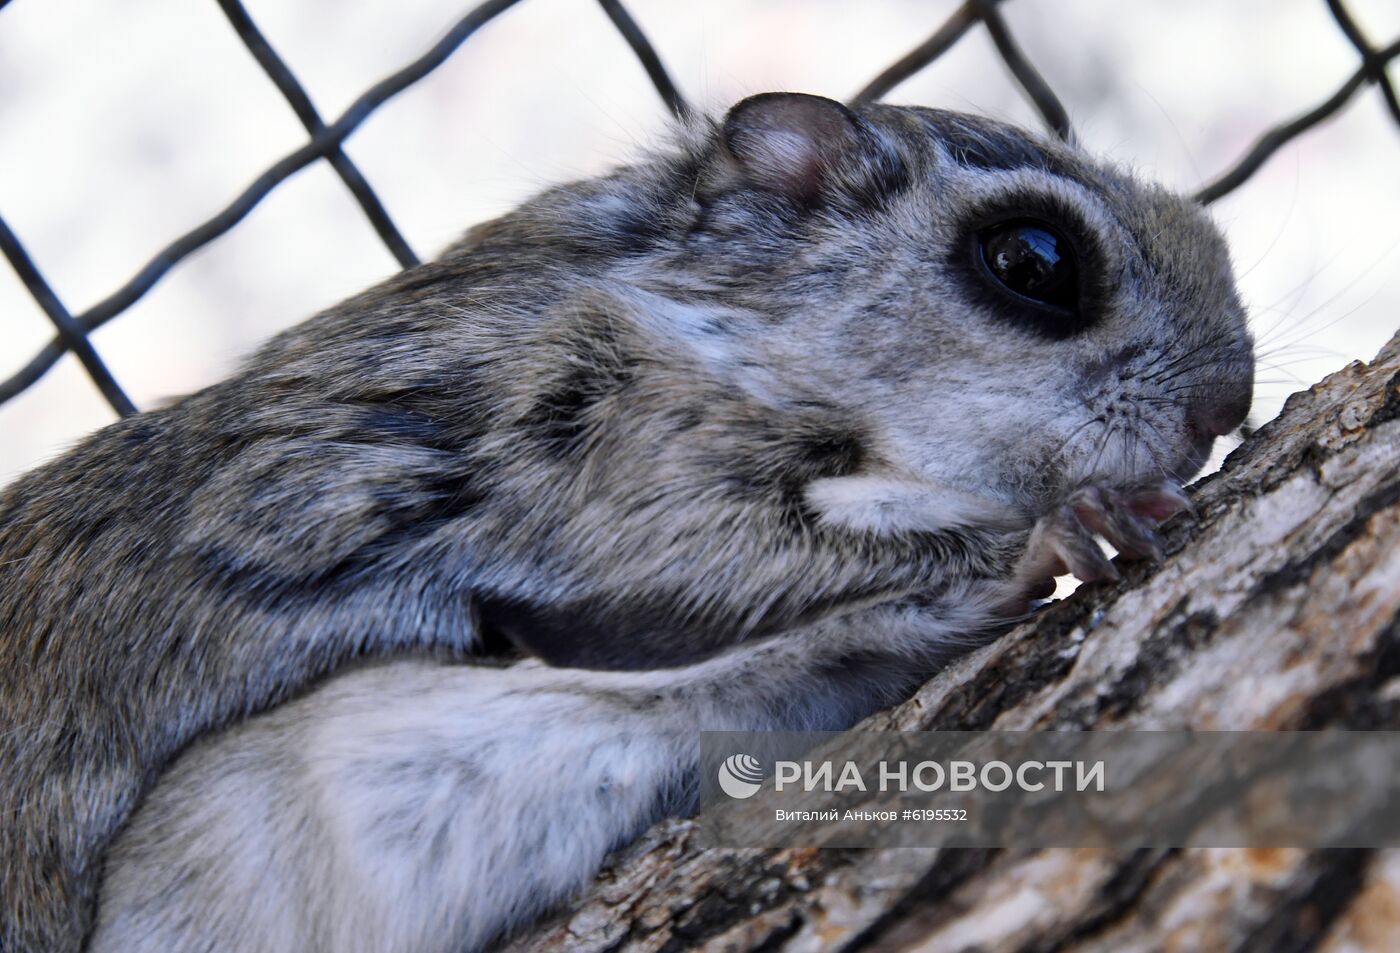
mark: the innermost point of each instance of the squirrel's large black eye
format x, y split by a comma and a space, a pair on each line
1031, 259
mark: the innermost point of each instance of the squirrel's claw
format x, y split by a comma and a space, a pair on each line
1064, 540
1128, 518
1107, 513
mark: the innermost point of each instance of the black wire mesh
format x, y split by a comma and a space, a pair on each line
326, 143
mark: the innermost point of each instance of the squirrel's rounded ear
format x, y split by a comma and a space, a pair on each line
789, 142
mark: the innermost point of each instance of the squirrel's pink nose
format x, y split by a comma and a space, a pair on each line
1221, 407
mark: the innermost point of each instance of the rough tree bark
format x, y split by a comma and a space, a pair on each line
1277, 607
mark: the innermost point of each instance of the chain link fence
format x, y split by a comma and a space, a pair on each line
73, 332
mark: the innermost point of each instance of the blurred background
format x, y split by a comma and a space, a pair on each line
124, 124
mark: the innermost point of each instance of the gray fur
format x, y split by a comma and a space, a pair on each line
413, 808
638, 421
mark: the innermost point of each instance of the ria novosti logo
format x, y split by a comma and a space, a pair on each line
740, 775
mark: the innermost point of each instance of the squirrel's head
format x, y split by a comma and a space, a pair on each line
988, 308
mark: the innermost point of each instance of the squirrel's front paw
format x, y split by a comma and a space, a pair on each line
1064, 539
